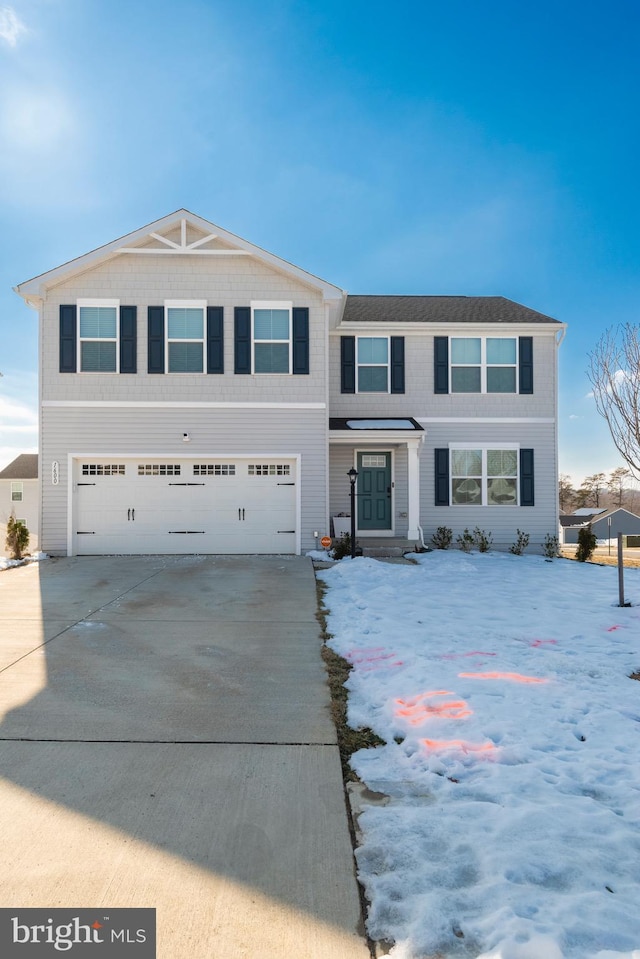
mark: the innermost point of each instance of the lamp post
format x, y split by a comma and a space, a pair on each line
353, 475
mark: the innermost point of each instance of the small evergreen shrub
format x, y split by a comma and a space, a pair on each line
550, 546
586, 544
521, 543
465, 541
343, 547
442, 537
481, 540
17, 537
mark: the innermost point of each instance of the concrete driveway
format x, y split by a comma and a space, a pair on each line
165, 741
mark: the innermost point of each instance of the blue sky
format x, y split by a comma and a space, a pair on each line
458, 147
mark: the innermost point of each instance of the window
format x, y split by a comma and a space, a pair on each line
214, 469
269, 469
98, 332
185, 336
103, 469
159, 469
373, 364
271, 337
484, 477
17, 491
484, 364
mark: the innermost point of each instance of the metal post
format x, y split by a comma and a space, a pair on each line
620, 571
609, 525
353, 475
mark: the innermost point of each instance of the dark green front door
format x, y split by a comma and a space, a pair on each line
374, 491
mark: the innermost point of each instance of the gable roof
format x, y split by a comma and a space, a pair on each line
440, 309
581, 518
153, 239
23, 467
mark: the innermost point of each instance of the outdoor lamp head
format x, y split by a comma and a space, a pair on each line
353, 475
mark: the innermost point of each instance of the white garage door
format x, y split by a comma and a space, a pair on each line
147, 505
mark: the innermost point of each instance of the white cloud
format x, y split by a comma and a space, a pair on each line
18, 415
574, 416
11, 27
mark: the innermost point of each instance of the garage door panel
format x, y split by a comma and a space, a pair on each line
185, 506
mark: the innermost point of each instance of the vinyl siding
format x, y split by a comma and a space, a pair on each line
27, 510
148, 281
158, 432
501, 521
420, 400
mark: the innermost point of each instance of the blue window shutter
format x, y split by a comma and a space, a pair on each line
397, 364
155, 317
242, 335
347, 364
527, 497
68, 338
441, 364
215, 339
128, 339
300, 320
525, 355
442, 477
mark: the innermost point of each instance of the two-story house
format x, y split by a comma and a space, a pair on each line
201, 395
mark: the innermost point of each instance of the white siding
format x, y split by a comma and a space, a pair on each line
27, 510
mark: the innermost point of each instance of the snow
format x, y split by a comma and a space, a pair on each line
501, 687
380, 425
6, 563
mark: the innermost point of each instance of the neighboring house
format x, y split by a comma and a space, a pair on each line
202, 395
19, 496
605, 524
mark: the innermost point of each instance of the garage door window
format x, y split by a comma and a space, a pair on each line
269, 469
103, 469
214, 469
158, 469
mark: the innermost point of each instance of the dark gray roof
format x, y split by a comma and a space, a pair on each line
439, 309
23, 467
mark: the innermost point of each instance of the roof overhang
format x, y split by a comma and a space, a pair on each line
369, 430
153, 241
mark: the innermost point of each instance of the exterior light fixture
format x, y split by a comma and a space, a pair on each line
353, 475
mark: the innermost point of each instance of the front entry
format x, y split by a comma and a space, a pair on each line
374, 491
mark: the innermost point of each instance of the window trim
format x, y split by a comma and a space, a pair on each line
387, 365
271, 305
484, 479
484, 366
185, 305
17, 494
89, 302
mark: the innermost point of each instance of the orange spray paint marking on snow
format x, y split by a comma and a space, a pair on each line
440, 745
511, 677
543, 642
612, 629
416, 710
373, 658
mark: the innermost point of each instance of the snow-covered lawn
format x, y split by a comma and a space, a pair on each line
501, 687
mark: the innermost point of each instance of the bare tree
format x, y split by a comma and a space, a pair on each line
591, 488
614, 372
566, 493
616, 484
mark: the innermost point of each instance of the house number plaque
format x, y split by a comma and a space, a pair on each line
55, 473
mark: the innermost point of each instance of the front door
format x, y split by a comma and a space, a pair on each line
374, 491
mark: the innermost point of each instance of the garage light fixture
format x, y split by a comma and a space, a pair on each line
186, 437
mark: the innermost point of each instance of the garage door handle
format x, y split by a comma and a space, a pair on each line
128, 515
241, 515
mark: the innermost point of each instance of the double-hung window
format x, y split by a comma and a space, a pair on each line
484, 364
98, 335
17, 491
484, 476
372, 360
272, 342
185, 336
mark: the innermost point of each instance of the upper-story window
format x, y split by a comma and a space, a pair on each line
17, 491
98, 335
185, 336
271, 337
484, 364
373, 364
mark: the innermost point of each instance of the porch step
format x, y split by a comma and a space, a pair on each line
378, 551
